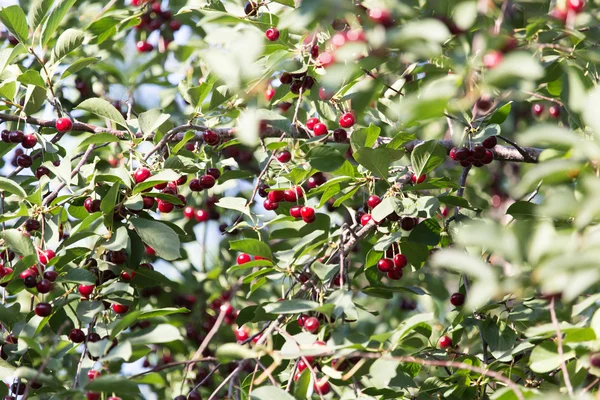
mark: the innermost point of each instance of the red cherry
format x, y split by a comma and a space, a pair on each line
340, 135
395, 273
338, 40
307, 212
420, 180
325, 59
301, 320
381, 17
202, 215
385, 265
365, 219
46, 255
241, 334
488, 158
576, 6
272, 34
311, 122
554, 111
120, 308
311, 324
126, 276
189, 212
174, 25
478, 152
141, 174
322, 386
324, 94
86, 290
537, 109
148, 202
91, 205
63, 125
314, 51
207, 181
400, 261
320, 129
243, 258
295, 211
373, 201
269, 93
347, 120
77, 336
211, 138
408, 223
445, 342
93, 374
24, 160
301, 366
595, 360
165, 206
276, 196
270, 205
93, 395
490, 142
144, 47
492, 59
290, 195
50, 275
457, 299
284, 156
29, 141
41, 171
43, 309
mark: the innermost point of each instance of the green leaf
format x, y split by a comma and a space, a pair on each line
387, 206
96, 138
501, 114
427, 156
31, 77
253, 247
79, 65
7, 185
522, 209
290, 306
233, 351
161, 312
151, 120
56, 17
34, 99
107, 204
325, 158
377, 160
113, 384
87, 310
104, 109
18, 242
364, 137
38, 11
545, 358
15, 21
68, 41
271, 392
166, 175
163, 333
515, 66
289, 3
159, 236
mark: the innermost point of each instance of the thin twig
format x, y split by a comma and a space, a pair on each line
559, 342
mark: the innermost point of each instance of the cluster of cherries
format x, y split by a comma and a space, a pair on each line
562, 11
538, 109
298, 81
154, 19
340, 135
478, 156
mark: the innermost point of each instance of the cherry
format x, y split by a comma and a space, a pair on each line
32, 225
180, 397
325, 60
207, 181
117, 257
241, 334
195, 185
340, 135
18, 388
286, 78
44, 286
324, 94
41, 171
365, 219
141, 174
478, 152
202, 216
347, 120
395, 274
284, 156
92, 373
296, 212
457, 299
320, 129
24, 160
192, 396
5, 135
420, 180
269, 93
120, 308
492, 59
322, 386
77, 336
211, 138
400, 261
174, 25
251, 9
537, 109
243, 258
462, 153
29, 281
311, 324
484, 103
554, 111
295, 87
373, 201
91, 205
51, 275
43, 309
63, 125
86, 290
316, 180
272, 34
576, 6
144, 47
445, 342
126, 276
308, 82
385, 265
189, 212
307, 213
165, 206
381, 17
311, 122
488, 158
490, 142
276, 196
16, 136
148, 202
29, 141
595, 360
408, 223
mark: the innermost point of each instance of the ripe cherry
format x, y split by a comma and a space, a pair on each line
43, 309
272, 34
16, 136
576, 6
408, 223
320, 129
492, 59
554, 111
144, 47
347, 120
126, 276
77, 336
381, 16
385, 265
41, 171
276, 196
322, 386
148, 202
91, 205
86, 290
214, 172
46, 255
286, 78
207, 181
189, 212
340, 135
365, 219
269, 93
462, 153
51, 275
195, 185
32, 225
241, 334
316, 180
141, 174
400, 261
537, 109
307, 213
488, 158
165, 206
243, 258
420, 180
251, 8
63, 124
311, 122
92, 373
284, 156
595, 360
295, 211
29, 141
445, 342
24, 160
457, 299
211, 138
120, 308
44, 286
324, 94
478, 152
311, 324
202, 215
490, 142
395, 273
270, 205
117, 256
29, 280
373, 201
325, 60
